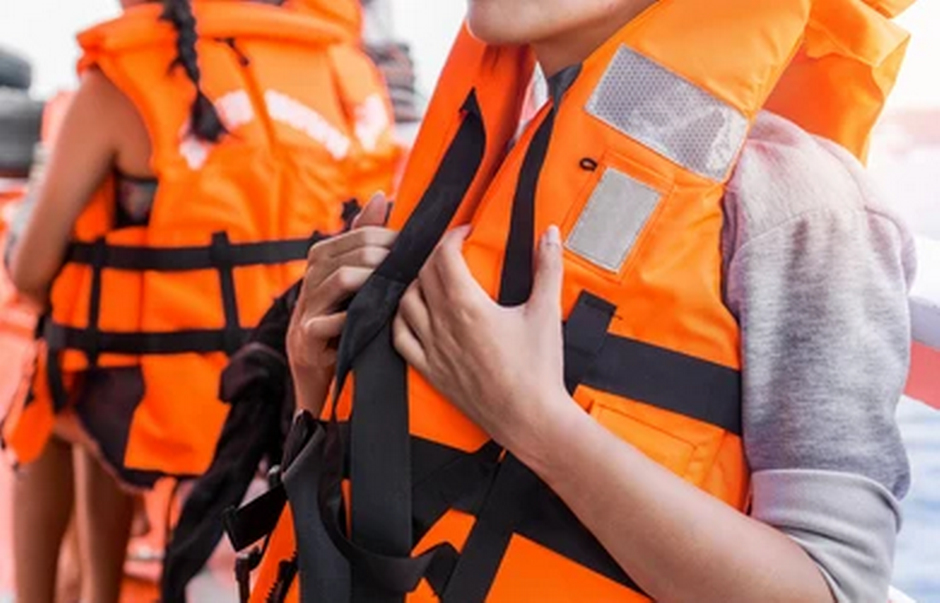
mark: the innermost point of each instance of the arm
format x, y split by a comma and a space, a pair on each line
81, 159
675, 540
503, 367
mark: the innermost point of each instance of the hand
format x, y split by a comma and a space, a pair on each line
336, 269
503, 367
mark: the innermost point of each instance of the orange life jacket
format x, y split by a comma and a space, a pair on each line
230, 225
400, 496
18, 315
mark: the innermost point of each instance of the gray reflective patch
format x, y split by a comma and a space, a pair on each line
669, 114
612, 220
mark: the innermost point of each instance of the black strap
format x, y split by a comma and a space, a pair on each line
245, 563
56, 381
546, 520
483, 552
254, 520
323, 569
94, 301
585, 335
369, 317
460, 482
669, 380
180, 259
375, 304
380, 462
200, 341
286, 573
516, 279
221, 252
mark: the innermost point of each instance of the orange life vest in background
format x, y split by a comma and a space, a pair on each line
400, 496
228, 232
362, 91
19, 316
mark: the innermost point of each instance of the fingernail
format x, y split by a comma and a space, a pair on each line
553, 235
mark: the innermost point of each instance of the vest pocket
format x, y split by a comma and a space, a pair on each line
609, 221
661, 446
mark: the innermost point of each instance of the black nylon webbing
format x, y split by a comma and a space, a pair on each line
516, 278
380, 461
483, 552
94, 301
368, 319
200, 341
221, 252
180, 259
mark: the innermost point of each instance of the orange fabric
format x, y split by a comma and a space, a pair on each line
18, 318
290, 159
668, 291
849, 62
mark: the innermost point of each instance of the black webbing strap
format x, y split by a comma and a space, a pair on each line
546, 520
221, 253
256, 519
200, 341
516, 278
180, 259
483, 552
56, 381
245, 563
94, 301
380, 527
380, 461
460, 482
585, 336
669, 380
322, 568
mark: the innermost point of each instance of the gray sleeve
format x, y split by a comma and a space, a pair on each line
817, 277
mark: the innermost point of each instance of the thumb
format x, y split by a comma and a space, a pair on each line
374, 213
549, 273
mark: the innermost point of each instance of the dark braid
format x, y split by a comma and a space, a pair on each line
206, 123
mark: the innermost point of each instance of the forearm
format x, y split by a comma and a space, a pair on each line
675, 541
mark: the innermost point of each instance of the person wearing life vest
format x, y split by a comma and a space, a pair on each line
649, 349
208, 145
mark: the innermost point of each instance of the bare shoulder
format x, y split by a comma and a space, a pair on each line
101, 106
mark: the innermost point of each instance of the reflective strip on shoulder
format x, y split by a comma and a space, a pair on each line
612, 220
669, 114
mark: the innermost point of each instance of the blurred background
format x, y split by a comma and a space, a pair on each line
905, 160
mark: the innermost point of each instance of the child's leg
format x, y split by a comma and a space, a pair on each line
42, 508
104, 514
69, 584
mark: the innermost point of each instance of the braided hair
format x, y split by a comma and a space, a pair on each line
205, 120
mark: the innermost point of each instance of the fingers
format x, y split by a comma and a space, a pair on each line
408, 344
414, 310
307, 336
374, 213
366, 236
447, 276
370, 256
338, 286
549, 272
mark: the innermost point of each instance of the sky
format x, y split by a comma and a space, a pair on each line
44, 30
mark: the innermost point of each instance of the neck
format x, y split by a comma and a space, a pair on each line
574, 46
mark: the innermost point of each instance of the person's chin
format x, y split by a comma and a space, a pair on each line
485, 24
